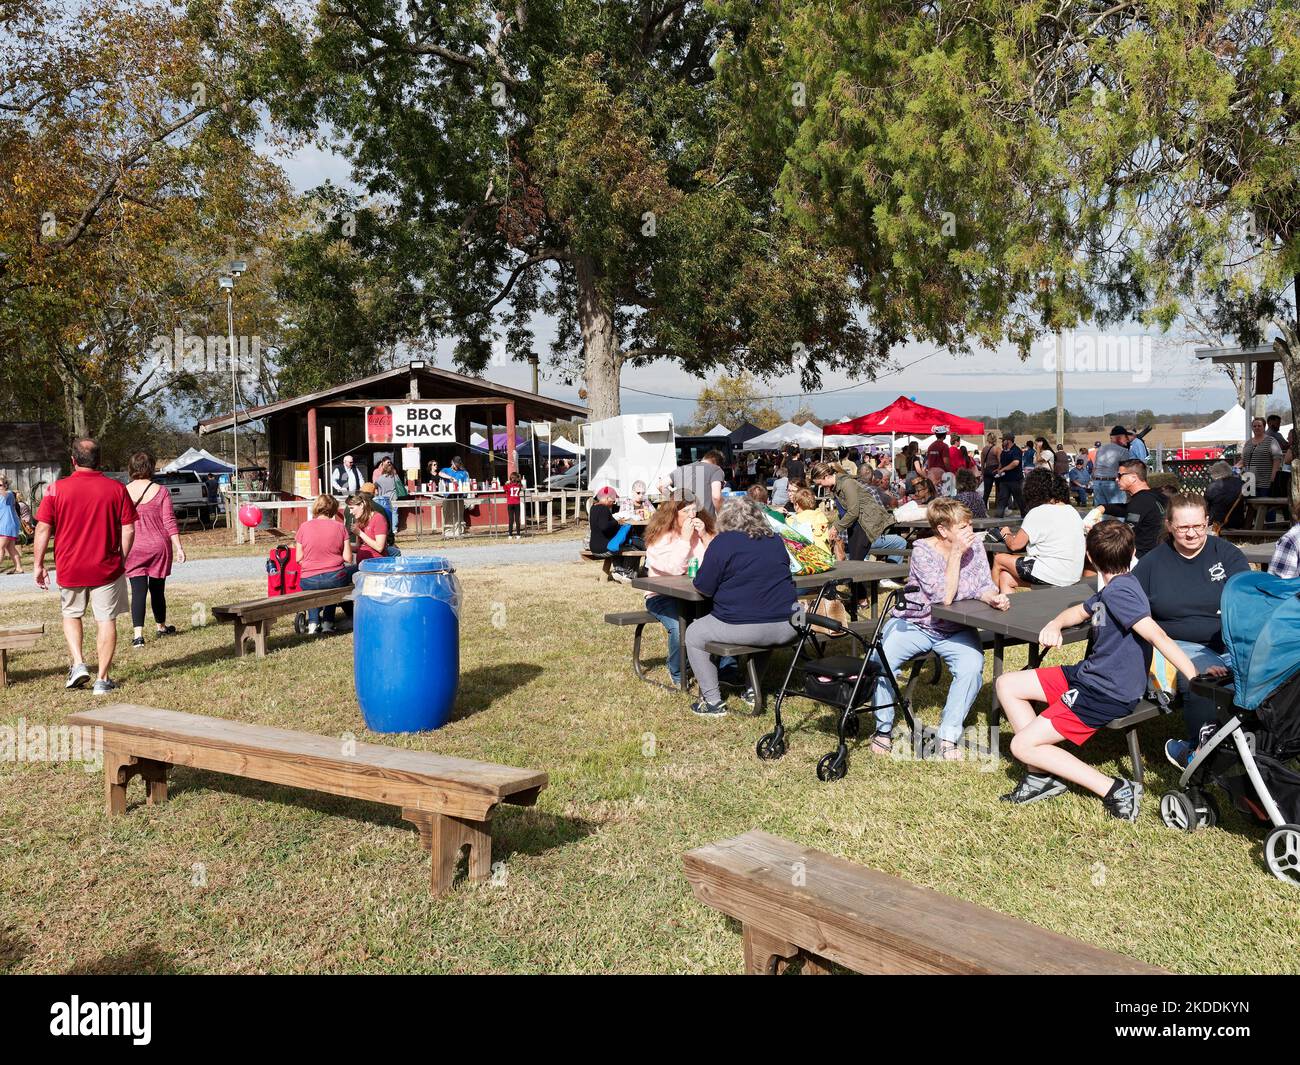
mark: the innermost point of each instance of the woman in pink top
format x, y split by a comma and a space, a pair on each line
157, 540
675, 534
324, 554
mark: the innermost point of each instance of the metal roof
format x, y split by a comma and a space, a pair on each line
392, 385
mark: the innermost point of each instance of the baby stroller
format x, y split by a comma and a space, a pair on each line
1252, 755
846, 683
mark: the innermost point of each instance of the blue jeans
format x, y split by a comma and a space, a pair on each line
888, 540
961, 653
338, 579
1197, 709
1106, 492
664, 607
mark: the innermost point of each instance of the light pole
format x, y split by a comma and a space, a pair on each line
228, 285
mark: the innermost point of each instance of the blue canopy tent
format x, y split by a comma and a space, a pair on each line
206, 466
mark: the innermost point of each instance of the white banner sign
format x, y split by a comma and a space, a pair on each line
410, 458
411, 423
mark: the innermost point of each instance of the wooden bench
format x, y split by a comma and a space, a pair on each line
796, 902
449, 800
608, 560
253, 617
14, 638
639, 619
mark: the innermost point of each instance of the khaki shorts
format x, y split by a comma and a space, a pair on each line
106, 601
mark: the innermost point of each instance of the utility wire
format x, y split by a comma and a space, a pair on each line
792, 395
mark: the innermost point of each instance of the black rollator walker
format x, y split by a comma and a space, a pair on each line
843, 682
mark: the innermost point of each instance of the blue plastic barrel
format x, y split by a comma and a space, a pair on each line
406, 642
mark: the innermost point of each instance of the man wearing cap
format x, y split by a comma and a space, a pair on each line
1105, 470
1134, 443
1010, 477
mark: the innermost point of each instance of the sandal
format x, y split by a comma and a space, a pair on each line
949, 751
881, 743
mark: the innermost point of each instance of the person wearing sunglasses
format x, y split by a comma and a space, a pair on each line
1183, 578
1144, 508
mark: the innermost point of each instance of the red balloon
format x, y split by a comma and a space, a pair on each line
250, 515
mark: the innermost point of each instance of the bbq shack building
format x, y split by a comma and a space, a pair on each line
416, 415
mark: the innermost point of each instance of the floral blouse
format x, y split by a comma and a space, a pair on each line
928, 571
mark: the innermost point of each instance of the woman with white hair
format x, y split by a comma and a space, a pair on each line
746, 572
1223, 497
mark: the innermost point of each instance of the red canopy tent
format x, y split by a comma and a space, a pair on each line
904, 417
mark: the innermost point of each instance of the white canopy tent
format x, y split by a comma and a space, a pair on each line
718, 430
789, 433
1224, 429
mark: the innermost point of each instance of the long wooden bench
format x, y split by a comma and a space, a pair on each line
449, 800
608, 560
15, 638
253, 617
796, 902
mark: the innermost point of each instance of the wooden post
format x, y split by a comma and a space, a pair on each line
313, 453
512, 457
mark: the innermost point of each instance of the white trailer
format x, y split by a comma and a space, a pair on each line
629, 448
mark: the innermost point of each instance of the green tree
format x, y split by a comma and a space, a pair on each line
732, 400
573, 159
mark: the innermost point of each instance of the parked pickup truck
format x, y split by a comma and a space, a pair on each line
188, 491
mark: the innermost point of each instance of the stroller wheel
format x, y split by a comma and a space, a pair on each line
1177, 811
1207, 809
1282, 853
770, 746
300, 623
833, 766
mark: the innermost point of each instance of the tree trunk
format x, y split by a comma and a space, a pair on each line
601, 357
1287, 347
74, 403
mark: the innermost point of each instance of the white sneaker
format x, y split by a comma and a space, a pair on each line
312, 629
327, 626
890, 583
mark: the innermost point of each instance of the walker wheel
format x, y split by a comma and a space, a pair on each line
770, 746
1177, 811
300, 623
1282, 853
1207, 810
832, 766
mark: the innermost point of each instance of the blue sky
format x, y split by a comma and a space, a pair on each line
985, 382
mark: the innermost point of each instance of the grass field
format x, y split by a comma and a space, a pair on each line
236, 876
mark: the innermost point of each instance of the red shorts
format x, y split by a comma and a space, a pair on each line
1063, 719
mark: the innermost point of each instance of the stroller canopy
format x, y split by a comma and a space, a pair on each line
1261, 626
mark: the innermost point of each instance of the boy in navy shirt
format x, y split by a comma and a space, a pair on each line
1103, 687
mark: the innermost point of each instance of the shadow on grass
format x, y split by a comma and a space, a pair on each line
144, 959
278, 639
515, 829
12, 951
480, 688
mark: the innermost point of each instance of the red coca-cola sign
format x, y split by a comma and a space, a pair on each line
379, 425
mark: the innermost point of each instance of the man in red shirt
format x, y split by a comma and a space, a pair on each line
936, 455
93, 522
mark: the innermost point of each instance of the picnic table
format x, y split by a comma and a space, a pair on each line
1030, 610
978, 524
689, 601
1261, 505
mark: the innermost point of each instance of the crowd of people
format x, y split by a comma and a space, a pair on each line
1159, 568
